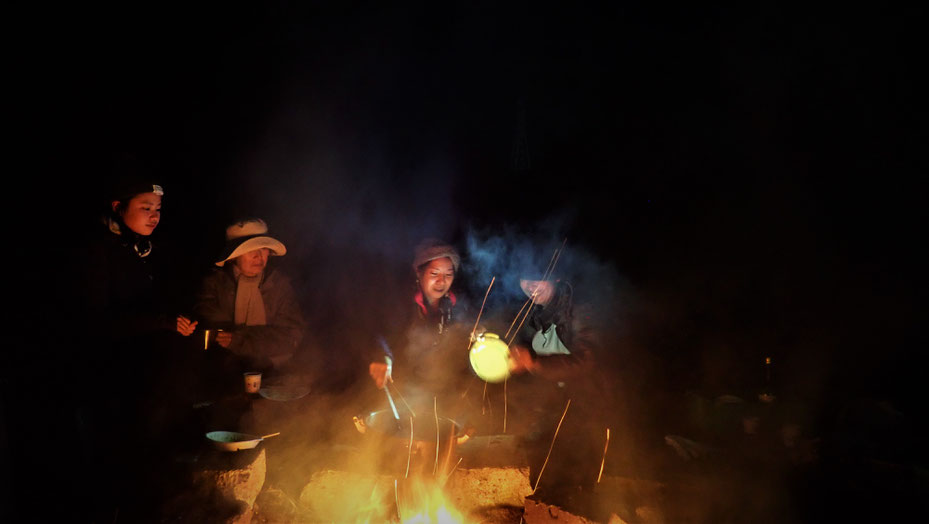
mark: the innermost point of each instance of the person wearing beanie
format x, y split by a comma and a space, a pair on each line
250, 301
126, 335
125, 282
426, 352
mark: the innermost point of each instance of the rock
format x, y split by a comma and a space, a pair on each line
616, 519
238, 480
649, 515
273, 505
537, 512
475, 490
341, 496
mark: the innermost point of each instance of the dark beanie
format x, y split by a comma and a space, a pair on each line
131, 177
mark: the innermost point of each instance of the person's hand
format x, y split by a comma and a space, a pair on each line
378, 371
224, 338
522, 360
185, 326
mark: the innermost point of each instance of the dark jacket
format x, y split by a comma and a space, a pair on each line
577, 332
430, 346
120, 292
215, 308
122, 317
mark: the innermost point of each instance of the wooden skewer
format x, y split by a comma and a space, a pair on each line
542, 470
518, 313
476, 322
435, 408
532, 303
484, 400
545, 276
397, 390
271, 435
605, 447
452, 471
409, 450
504, 405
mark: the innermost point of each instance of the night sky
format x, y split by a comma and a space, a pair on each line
756, 176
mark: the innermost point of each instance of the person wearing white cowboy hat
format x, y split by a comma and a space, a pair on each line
254, 305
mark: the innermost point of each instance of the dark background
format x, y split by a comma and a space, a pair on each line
755, 172
755, 177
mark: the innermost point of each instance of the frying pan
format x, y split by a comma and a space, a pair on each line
400, 452
234, 441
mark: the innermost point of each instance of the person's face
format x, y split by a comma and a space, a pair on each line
543, 290
435, 279
141, 213
251, 264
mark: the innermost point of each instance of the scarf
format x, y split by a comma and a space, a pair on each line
249, 306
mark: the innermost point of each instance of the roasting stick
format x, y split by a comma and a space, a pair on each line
545, 276
397, 498
504, 405
518, 313
542, 470
452, 471
448, 454
531, 298
409, 453
397, 391
521, 321
479, 313
605, 447
435, 409
484, 402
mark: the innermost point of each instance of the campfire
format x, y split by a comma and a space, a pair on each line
412, 501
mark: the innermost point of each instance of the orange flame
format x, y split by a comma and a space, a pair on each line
425, 503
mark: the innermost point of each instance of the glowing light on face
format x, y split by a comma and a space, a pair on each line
141, 213
435, 279
251, 264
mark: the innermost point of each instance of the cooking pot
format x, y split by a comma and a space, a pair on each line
400, 454
234, 441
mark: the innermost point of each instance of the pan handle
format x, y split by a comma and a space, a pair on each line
360, 424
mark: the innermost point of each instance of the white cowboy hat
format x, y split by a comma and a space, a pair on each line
249, 235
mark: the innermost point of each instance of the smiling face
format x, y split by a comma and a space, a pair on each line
141, 213
251, 264
435, 279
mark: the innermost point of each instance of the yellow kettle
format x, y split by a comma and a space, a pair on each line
490, 358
